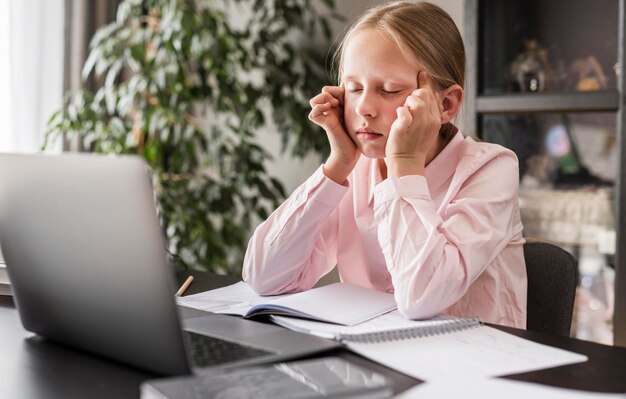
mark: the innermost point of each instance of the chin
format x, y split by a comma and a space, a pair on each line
372, 153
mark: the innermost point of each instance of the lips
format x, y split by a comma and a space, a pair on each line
367, 134
364, 130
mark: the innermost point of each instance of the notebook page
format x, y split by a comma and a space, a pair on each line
340, 303
472, 353
233, 299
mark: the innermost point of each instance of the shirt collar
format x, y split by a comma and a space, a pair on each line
437, 171
375, 178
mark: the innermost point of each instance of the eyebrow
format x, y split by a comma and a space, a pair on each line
384, 81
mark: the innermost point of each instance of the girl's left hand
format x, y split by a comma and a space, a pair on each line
414, 133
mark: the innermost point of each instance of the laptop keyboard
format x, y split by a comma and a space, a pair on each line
209, 351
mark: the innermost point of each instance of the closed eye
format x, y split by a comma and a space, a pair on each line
391, 91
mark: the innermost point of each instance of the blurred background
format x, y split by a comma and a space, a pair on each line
214, 95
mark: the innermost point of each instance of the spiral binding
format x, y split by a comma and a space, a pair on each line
436, 328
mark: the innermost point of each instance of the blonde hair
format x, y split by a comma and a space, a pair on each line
423, 32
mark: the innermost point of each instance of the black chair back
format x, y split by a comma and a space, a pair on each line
552, 280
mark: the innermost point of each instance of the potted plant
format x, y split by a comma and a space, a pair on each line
187, 85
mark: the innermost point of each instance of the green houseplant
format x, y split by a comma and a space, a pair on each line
187, 85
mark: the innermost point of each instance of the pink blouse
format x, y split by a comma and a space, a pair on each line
447, 242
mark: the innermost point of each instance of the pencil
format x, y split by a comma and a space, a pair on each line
184, 287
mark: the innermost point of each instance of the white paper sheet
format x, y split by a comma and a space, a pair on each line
474, 353
497, 389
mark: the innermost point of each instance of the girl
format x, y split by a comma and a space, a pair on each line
404, 203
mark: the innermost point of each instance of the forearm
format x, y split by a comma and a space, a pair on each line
433, 261
295, 246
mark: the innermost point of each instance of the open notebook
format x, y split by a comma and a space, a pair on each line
442, 348
339, 303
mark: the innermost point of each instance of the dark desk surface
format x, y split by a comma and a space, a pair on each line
31, 367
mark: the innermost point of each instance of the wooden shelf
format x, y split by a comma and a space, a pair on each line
517, 103
494, 31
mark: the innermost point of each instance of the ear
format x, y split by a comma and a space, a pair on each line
451, 98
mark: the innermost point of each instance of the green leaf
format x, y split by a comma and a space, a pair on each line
93, 57
112, 74
278, 186
189, 88
123, 12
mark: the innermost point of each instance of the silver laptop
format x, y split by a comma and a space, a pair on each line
87, 262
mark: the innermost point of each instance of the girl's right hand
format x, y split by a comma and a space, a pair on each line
327, 112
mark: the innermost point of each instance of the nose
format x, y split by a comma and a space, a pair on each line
366, 105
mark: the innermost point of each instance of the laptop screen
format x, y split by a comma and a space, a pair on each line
86, 257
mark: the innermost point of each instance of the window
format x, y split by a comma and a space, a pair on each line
6, 139
31, 71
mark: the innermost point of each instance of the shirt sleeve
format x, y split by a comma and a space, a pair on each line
434, 255
297, 244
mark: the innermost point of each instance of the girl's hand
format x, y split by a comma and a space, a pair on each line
414, 133
327, 112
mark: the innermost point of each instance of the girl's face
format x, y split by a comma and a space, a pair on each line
377, 79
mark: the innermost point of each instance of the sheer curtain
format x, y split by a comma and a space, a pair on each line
6, 138
31, 71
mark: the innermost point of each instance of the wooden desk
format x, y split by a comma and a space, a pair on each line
31, 367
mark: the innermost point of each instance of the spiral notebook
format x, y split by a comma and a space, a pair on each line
478, 352
388, 327
444, 348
